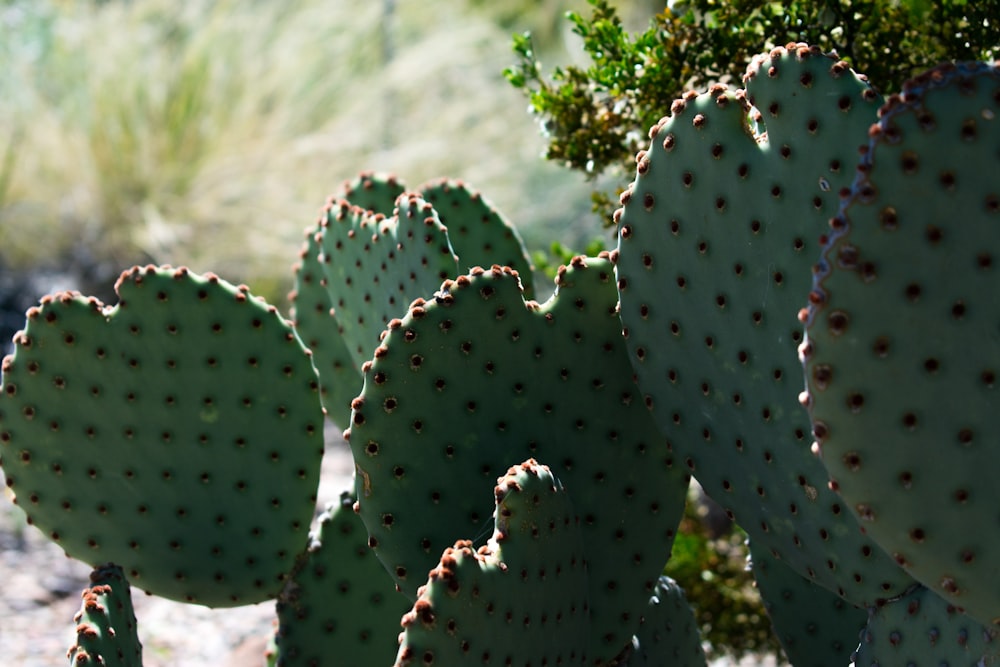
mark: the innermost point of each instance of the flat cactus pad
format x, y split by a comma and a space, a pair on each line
903, 356
520, 599
106, 629
339, 606
669, 632
815, 627
717, 240
476, 379
177, 434
920, 628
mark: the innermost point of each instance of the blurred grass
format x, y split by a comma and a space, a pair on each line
209, 133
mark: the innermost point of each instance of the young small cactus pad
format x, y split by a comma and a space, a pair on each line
717, 238
372, 191
477, 378
374, 266
815, 627
106, 630
902, 357
480, 235
520, 599
312, 304
920, 628
668, 634
372, 252
177, 434
339, 606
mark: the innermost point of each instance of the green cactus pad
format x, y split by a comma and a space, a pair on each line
106, 630
177, 434
717, 238
372, 191
313, 303
339, 378
903, 356
521, 599
348, 285
339, 606
375, 266
922, 629
669, 631
476, 378
815, 627
480, 235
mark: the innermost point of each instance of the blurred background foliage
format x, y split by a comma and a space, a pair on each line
210, 132
596, 114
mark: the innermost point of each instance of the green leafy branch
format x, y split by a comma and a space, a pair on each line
596, 117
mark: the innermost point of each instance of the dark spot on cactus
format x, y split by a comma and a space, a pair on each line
844, 103
917, 535
947, 180
889, 219
687, 179
909, 162
988, 377
868, 272
881, 347
909, 421
933, 234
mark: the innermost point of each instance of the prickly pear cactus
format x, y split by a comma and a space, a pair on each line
339, 606
902, 354
521, 598
373, 192
339, 378
313, 304
816, 628
920, 628
372, 263
476, 378
480, 235
668, 634
177, 434
371, 253
106, 630
717, 238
